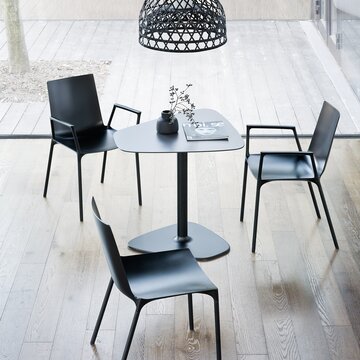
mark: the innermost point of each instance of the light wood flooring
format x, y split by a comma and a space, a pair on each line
297, 298
268, 72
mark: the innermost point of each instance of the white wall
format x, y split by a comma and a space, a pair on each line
268, 9
351, 7
129, 9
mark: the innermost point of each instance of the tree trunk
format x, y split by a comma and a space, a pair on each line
18, 55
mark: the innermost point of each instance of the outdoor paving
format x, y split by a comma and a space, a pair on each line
268, 72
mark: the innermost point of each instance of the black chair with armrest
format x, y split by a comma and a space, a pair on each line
76, 123
293, 166
148, 277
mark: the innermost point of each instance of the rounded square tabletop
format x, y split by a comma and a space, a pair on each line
143, 138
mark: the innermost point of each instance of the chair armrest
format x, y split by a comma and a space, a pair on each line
288, 127
287, 153
126, 108
283, 127
70, 126
290, 153
52, 119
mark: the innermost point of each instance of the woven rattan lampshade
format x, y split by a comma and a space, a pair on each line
182, 25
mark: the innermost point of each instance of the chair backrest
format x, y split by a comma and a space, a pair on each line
74, 100
323, 136
112, 254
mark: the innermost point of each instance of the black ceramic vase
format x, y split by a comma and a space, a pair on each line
167, 123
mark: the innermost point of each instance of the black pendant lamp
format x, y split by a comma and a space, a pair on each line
182, 25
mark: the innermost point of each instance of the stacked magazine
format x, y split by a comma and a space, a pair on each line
205, 130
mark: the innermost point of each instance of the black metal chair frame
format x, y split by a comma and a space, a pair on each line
120, 266
261, 181
80, 153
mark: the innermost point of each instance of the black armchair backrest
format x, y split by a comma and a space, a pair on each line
323, 136
74, 100
112, 254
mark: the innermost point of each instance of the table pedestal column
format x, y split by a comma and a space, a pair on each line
182, 198
203, 243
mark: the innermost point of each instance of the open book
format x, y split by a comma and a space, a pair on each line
206, 130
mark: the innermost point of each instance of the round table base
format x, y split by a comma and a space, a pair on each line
203, 243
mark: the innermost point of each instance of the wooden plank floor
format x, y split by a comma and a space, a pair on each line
267, 73
296, 298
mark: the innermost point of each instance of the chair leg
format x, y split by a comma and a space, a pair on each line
328, 215
256, 215
49, 167
137, 161
80, 187
103, 167
102, 311
314, 200
132, 330
191, 313
243, 192
215, 296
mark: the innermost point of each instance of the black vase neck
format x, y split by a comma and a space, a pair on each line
167, 115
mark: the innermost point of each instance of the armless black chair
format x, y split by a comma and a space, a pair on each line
148, 277
76, 123
299, 165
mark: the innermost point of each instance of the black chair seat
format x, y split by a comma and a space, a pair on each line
147, 277
76, 122
282, 167
165, 274
91, 141
293, 165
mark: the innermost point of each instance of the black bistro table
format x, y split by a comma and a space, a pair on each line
143, 138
